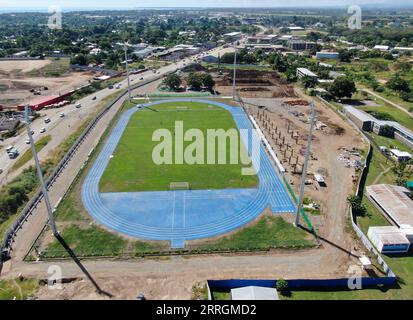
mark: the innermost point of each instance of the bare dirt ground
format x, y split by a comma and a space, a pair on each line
15, 82
173, 277
22, 66
253, 84
282, 125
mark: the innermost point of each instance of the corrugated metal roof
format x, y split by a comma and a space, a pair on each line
394, 201
359, 114
254, 293
389, 235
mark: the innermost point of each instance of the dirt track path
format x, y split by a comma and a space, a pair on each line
174, 278
387, 101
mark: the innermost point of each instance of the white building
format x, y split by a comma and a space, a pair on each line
304, 72
232, 36
404, 49
389, 239
400, 155
381, 48
254, 293
395, 204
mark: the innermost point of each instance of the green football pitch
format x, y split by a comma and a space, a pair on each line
132, 169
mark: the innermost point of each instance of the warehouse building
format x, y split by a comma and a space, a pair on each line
304, 72
394, 202
41, 102
232, 36
388, 239
361, 119
327, 55
299, 45
400, 156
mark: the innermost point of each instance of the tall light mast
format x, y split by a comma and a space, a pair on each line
234, 75
52, 223
305, 166
127, 70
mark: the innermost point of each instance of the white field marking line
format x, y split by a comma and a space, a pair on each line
173, 212
184, 210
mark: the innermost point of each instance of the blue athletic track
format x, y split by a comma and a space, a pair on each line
183, 215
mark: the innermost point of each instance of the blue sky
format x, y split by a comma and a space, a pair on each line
184, 3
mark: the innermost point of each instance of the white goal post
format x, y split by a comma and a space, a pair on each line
179, 186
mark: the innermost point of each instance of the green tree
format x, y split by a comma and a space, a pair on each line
173, 81
344, 56
207, 81
342, 87
194, 80
403, 66
401, 170
282, 286
397, 83
356, 205
308, 82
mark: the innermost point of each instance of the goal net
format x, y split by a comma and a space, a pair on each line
179, 186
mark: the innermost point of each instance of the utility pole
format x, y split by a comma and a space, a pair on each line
40, 175
305, 166
127, 70
234, 75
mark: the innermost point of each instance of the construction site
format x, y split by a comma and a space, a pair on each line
336, 158
253, 83
22, 80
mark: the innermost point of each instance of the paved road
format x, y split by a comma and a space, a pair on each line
38, 219
71, 122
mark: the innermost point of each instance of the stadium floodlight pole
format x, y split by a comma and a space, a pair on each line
234, 75
40, 174
127, 70
305, 166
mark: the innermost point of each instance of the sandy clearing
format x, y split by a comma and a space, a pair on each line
22, 65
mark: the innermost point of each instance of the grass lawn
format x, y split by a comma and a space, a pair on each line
20, 290
397, 114
132, 167
57, 68
27, 156
267, 232
92, 241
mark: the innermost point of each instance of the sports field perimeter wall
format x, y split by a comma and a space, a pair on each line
298, 283
5, 245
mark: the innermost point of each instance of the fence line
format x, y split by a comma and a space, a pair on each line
5, 245
359, 192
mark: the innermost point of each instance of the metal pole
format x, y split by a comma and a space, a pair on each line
234, 75
304, 171
127, 71
40, 174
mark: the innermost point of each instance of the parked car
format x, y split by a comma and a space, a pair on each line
27, 141
94, 98
42, 130
78, 105
47, 120
61, 115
